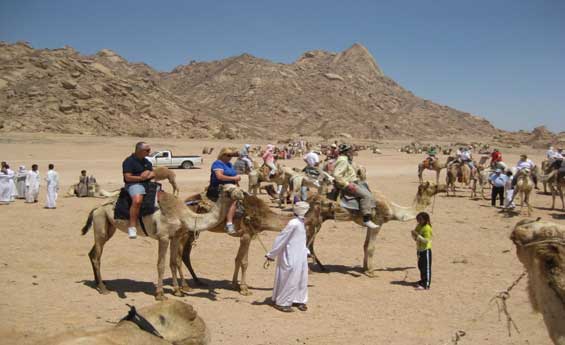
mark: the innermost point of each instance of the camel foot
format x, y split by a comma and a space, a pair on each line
178, 293
243, 289
103, 290
186, 289
160, 296
370, 274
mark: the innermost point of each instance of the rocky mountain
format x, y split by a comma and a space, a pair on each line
62, 91
320, 94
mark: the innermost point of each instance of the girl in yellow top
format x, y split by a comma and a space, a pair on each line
423, 237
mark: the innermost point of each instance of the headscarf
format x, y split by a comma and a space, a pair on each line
300, 208
22, 169
270, 147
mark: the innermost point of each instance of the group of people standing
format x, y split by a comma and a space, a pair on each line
24, 184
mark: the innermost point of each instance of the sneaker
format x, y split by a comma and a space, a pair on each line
132, 232
230, 229
371, 225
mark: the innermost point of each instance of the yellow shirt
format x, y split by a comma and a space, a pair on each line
344, 172
426, 232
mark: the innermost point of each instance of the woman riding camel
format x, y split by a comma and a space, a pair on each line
222, 172
269, 159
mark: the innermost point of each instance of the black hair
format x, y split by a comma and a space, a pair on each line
139, 145
34, 167
83, 171
509, 173
51, 166
425, 217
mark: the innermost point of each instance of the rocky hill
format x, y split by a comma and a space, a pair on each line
321, 94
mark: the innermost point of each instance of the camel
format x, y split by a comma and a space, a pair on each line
462, 172
557, 184
165, 225
177, 322
257, 217
322, 209
436, 166
540, 247
524, 187
94, 190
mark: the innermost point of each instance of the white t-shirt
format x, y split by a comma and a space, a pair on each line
311, 158
525, 164
550, 154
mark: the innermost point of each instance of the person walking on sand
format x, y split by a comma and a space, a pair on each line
32, 184
291, 277
5, 186
52, 180
21, 182
423, 237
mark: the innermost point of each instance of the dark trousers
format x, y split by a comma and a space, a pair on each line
425, 267
497, 192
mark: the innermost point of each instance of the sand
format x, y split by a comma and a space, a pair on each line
46, 281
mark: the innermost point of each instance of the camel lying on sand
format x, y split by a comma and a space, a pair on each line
94, 190
257, 217
176, 322
322, 209
540, 246
165, 225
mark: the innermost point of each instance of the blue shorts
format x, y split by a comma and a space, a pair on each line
136, 189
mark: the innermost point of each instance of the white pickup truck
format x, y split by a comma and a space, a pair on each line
166, 159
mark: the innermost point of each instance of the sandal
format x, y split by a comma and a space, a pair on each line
302, 307
284, 309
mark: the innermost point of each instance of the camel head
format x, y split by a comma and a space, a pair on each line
232, 192
322, 208
540, 246
426, 191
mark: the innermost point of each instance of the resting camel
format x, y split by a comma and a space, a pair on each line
524, 187
436, 166
257, 217
322, 209
94, 190
177, 322
540, 246
165, 225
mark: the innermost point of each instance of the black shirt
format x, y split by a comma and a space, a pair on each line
135, 166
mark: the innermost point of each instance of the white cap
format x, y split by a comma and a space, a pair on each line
300, 208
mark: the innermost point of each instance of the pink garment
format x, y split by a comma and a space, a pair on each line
268, 156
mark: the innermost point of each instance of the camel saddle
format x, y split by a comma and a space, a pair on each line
148, 205
349, 202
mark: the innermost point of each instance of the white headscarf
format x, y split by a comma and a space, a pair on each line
22, 169
300, 208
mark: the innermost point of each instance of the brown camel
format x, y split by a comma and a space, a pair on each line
257, 217
540, 246
177, 323
322, 209
165, 225
435, 166
524, 187
557, 184
461, 172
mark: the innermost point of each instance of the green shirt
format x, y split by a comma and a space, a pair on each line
426, 232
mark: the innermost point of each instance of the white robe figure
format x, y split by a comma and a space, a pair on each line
291, 277
32, 186
5, 187
52, 180
21, 183
13, 191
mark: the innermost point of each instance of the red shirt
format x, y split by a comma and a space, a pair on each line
496, 156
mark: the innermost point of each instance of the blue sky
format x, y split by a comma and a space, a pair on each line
503, 60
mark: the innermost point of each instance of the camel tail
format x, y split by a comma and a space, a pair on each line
88, 224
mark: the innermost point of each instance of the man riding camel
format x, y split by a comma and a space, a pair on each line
347, 181
495, 158
246, 157
432, 152
524, 163
137, 172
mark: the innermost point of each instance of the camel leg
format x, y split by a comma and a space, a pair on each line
174, 266
369, 249
241, 260
162, 253
420, 171
103, 231
311, 248
187, 250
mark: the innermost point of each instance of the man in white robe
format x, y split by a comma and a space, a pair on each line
52, 180
21, 182
5, 186
291, 252
12, 174
32, 184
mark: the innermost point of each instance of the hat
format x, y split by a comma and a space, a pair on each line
344, 148
227, 151
300, 208
247, 146
270, 147
333, 145
498, 171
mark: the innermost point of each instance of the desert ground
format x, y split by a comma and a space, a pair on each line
46, 281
